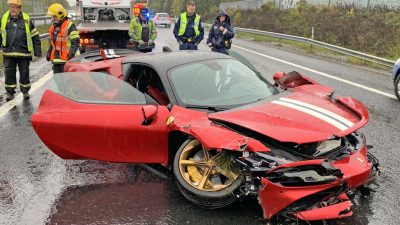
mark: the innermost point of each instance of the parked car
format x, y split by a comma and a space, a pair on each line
219, 125
396, 78
162, 19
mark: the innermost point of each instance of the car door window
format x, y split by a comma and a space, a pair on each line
97, 88
147, 81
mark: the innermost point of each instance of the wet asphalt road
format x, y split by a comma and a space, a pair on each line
36, 187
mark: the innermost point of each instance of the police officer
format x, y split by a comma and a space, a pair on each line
64, 38
142, 30
19, 38
221, 33
189, 31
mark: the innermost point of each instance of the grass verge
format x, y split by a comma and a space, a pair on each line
309, 49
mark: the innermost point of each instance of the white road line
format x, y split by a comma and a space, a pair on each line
18, 98
320, 73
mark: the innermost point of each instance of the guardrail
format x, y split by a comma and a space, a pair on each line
43, 18
364, 56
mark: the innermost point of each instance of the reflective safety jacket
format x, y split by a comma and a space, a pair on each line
136, 29
19, 37
189, 27
64, 41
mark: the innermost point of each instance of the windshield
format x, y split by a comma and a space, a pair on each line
222, 83
162, 15
97, 88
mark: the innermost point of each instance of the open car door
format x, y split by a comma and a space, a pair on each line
89, 115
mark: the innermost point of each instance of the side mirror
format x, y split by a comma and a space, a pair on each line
277, 76
149, 114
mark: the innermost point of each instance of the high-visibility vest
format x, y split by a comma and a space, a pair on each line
184, 22
29, 33
62, 45
135, 30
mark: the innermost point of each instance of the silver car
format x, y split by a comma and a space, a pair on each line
162, 19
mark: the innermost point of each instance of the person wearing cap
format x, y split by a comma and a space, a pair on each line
188, 30
19, 38
221, 33
142, 30
64, 38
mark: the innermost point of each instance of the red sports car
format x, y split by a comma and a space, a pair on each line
219, 125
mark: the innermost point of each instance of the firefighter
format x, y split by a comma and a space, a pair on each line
142, 30
64, 38
19, 38
188, 30
221, 33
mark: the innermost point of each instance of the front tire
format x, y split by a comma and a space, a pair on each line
397, 86
206, 178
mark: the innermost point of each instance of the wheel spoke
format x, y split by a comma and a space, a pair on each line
215, 157
205, 178
193, 163
205, 152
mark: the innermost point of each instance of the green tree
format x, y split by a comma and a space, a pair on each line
176, 7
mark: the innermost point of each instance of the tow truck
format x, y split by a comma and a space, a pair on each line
105, 23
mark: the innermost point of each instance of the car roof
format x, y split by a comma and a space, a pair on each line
163, 61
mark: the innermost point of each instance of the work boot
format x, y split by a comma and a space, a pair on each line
26, 95
9, 96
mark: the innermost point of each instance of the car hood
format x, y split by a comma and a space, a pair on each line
299, 118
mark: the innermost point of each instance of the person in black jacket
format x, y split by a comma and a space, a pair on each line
19, 38
221, 33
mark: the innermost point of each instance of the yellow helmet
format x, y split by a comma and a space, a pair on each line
15, 2
57, 10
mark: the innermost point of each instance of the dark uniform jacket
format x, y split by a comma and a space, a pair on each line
216, 37
16, 37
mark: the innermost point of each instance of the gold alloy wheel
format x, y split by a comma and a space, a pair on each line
203, 169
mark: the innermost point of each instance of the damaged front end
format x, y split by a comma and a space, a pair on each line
309, 181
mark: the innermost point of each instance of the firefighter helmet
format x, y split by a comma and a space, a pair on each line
57, 10
15, 2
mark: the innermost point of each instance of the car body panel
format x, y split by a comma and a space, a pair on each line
211, 135
396, 69
337, 211
72, 130
321, 118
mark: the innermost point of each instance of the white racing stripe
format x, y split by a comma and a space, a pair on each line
319, 109
18, 98
313, 113
320, 73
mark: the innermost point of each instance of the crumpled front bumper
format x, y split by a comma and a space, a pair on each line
322, 201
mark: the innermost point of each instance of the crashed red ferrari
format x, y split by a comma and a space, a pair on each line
219, 125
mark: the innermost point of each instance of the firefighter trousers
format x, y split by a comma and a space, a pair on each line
10, 72
58, 67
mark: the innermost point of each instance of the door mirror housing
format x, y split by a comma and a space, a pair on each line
149, 114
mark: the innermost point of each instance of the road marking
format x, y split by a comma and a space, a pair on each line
321, 73
18, 98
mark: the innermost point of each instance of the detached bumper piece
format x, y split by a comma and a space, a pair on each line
335, 211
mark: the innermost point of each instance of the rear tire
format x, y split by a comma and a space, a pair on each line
202, 181
397, 86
